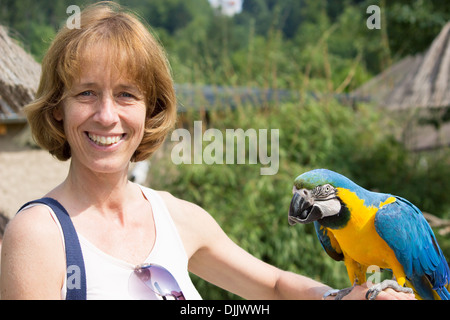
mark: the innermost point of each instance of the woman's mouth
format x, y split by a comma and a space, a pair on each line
104, 140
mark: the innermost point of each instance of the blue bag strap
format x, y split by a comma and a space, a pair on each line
76, 273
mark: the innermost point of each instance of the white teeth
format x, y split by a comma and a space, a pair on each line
104, 141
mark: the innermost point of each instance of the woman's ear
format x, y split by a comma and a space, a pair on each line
58, 113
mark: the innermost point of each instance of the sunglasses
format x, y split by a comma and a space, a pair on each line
159, 280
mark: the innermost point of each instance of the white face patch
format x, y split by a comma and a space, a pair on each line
329, 207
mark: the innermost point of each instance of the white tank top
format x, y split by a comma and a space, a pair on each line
108, 277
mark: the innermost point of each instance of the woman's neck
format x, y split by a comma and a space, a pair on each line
85, 189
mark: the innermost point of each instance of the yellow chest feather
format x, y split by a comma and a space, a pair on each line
359, 239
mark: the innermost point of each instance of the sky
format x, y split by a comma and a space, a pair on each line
229, 7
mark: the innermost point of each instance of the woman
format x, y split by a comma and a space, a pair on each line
106, 97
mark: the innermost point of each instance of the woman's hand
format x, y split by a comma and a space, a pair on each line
359, 293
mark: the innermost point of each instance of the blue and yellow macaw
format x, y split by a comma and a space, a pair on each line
366, 228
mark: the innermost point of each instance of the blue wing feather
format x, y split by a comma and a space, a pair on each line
325, 241
405, 230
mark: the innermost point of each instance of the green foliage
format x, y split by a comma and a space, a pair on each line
409, 19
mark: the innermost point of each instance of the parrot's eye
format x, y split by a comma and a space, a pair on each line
328, 189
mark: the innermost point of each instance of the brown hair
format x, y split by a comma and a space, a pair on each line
131, 48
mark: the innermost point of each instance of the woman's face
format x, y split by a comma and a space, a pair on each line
104, 117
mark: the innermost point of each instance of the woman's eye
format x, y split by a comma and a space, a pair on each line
126, 95
86, 94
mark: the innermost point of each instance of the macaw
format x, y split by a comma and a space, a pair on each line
365, 228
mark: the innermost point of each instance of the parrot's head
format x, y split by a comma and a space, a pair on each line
316, 198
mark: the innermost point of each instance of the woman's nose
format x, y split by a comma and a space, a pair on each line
106, 112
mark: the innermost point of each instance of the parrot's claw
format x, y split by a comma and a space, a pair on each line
375, 290
342, 293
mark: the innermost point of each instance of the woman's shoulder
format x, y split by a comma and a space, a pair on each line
196, 226
33, 251
181, 208
34, 226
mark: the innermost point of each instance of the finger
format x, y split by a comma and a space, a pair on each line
390, 294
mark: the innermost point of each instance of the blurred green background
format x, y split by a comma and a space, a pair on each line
320, 49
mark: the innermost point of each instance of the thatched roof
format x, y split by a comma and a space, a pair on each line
19, 78
422, 81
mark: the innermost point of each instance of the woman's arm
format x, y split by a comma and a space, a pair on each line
33, 259
217, 259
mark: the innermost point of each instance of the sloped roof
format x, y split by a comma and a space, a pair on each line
19, 78
421, 81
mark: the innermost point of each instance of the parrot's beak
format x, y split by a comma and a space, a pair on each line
302, 209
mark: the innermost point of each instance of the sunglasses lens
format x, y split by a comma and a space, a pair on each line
160, 281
